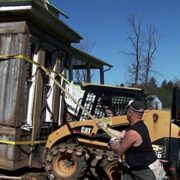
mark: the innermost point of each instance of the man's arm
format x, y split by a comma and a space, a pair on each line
130, 139
115, 133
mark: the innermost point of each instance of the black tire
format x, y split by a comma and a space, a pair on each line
111, 170
65, 165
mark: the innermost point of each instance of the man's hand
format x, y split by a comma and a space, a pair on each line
114, 144
101, 125
113, 140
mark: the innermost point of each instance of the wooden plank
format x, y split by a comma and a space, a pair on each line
101, 76
69, 59
88, 72
37, 109
10, 154
12, 81
56, 94
38, 96
13, 27
13, 165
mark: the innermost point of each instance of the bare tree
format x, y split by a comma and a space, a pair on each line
143, 48
135, 38
149, 53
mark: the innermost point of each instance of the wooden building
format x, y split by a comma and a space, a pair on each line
32, 28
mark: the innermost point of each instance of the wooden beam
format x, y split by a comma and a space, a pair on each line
13, 27
70, 67
101, 76
36, 120
88, 73
56, 93
84, 67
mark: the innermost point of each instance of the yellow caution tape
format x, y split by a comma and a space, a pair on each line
26, 58
21, 142
22, 57
48, 71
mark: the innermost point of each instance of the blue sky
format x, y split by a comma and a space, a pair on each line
105, 22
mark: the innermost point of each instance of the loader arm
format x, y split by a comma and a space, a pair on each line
65, 131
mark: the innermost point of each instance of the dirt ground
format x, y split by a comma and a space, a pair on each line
26, 174
35, 176
23, 174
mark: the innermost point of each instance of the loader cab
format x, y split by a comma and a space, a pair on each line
115, 98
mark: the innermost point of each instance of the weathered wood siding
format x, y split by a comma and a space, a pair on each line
11, 156
14, 39
12, 78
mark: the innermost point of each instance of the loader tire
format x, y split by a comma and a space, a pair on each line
111, 170
66, 165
